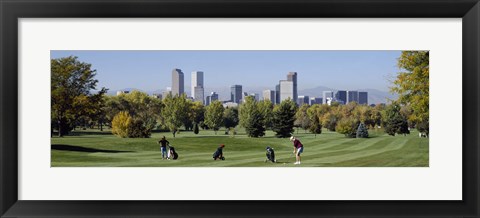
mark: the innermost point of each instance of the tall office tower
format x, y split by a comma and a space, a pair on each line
327, 94
303, 100
341, 96
363, 97
286, 90
177, 82
277, 94
236, 93
208, 99
352, 96
197, 81
199, 94
292, 76
269, 95
214, 96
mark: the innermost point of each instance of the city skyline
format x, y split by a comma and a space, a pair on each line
118, 70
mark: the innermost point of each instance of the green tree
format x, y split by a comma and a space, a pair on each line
362, 131
376, 115
71, 84
214, 115
301, 117
174, 112
284, 118
348, 126
230, 117
313, 115
251, 118
266, 108
394, 122
412, 85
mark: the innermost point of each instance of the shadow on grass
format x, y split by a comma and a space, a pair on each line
82, 149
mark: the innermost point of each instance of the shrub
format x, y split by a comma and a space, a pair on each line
362, 131
348, 127
137, 129
195, 129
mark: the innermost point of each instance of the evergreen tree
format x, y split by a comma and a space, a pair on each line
195, 129
394, 122
251, 118
284, 118
362, 131
313, 115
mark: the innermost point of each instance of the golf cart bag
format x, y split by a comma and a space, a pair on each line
173, 153
270, 155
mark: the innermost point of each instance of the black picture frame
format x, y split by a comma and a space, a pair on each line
12, 10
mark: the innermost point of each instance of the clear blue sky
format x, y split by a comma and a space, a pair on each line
151, 70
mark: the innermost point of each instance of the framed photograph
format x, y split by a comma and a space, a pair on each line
224, 108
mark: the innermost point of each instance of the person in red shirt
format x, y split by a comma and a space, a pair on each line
297, 149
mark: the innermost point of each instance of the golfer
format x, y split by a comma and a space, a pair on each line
297, 149
218, 155
163, 147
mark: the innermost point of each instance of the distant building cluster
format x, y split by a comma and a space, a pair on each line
285, 89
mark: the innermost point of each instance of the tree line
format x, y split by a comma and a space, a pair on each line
136, 114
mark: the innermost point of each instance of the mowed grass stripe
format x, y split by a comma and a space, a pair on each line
394, 145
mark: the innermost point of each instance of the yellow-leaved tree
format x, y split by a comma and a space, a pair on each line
120, 124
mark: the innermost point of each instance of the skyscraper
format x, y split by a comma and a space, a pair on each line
303, 100
269, 95
363, 97
292, 76
199, 94
352, 96
197, 81
341, 96
327, 94
277, 94
177, 82
286, 90
212, 97
236, 93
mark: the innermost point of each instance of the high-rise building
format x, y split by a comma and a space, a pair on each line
315, 100
341, 96
236, 93
177, 82
286, 90
292, 76
277, 94
303, 100
269, 95
352, 96
363, 97
197, 81
212, 97
199, 94
327, 94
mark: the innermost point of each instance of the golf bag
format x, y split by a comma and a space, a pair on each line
173, 154
270, 155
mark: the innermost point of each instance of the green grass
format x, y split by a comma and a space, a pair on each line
92, 148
